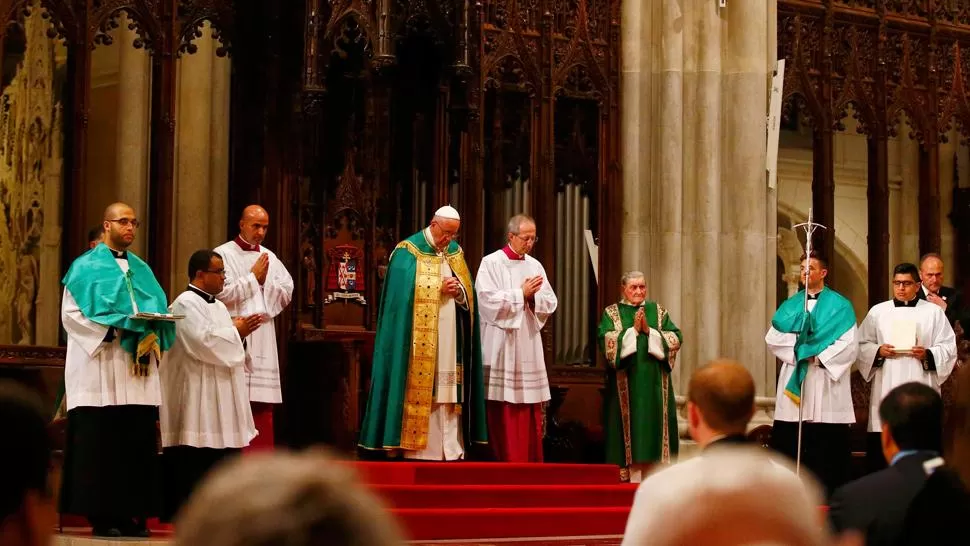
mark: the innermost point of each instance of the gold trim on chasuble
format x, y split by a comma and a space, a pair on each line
673, 345
419, 391
622, 381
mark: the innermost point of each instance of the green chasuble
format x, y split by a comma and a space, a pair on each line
831, 317
406, 351
108, 296
641, 411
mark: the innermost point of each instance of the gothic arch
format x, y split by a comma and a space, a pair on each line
851, 274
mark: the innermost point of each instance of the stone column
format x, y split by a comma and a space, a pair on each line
219, 157
132, 147
698, 218
193, 160
746, 285
634, 141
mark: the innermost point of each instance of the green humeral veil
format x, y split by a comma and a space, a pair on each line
831, 317
640, 413
405, 351
104, 294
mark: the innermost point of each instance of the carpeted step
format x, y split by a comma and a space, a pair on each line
505, 496
434, 473
477, 523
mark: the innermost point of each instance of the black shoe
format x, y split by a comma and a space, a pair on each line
106, 532
136, 528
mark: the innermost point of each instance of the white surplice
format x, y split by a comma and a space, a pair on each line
514, 366
933, 332
444, 427
244, 296
205, 401
97, 373
827, 389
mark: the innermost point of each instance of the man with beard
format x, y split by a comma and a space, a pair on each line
111, 382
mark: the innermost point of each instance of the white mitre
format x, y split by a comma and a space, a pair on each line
448, 212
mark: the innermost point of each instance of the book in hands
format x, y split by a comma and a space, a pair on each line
156, 316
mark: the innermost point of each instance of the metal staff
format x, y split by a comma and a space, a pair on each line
810, 226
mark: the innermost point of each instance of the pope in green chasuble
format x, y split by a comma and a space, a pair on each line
640, 342
409, 374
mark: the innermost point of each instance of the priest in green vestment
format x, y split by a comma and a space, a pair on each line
427, 396
640, 342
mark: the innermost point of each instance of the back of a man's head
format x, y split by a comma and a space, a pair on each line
27, 512
284, 499
739, 495
723, 393
913, 413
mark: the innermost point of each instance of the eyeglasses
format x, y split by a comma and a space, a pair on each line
216, 271
903, 284
125, 222
527, 240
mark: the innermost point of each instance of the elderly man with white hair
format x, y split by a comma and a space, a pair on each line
640, 342
427, 396
515, 301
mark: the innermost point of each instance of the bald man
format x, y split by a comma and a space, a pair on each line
932, 289
427, 397
257, 283
111, 382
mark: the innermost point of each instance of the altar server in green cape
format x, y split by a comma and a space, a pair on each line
427, 397
640, 342
816, 350
111, 382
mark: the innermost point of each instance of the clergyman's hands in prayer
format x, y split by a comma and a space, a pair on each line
887, 351
531, 286
451, 287
919, 352
640, 322
247, 325
261, 267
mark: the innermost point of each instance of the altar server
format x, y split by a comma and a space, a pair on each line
257, 282
815, 374
901, 340
515, 300
205, 414
111, 382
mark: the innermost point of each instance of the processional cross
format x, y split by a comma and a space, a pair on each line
810, 226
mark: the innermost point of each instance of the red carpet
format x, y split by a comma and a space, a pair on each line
439, 501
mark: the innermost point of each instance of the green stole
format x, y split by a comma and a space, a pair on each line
816, 331
406, 350
105, 295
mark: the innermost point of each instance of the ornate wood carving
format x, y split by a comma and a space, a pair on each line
902, 66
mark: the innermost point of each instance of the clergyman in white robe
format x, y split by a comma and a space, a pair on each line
826, 403
205, 414
516, 382
881, 325
244, 296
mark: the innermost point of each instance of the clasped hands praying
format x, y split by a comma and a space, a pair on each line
640, 322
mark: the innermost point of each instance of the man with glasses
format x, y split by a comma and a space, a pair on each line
901, 340
257, 282
427, 398
111, 382
515, 300
205, 414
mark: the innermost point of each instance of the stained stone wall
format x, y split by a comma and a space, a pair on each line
699, 218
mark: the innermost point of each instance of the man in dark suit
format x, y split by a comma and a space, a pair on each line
932, 289
912, 438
